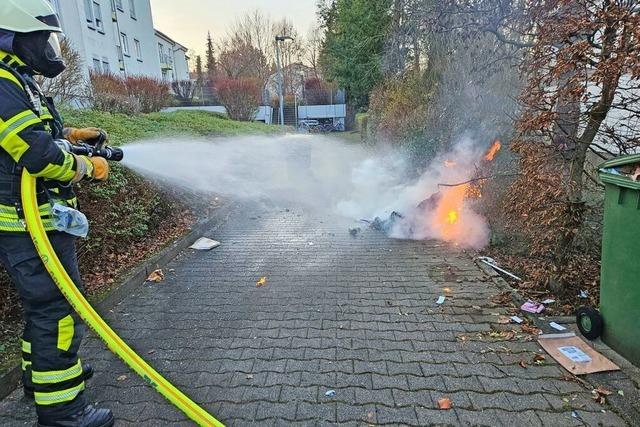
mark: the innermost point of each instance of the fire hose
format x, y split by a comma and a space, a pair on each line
84, 309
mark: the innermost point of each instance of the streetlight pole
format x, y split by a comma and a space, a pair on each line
281, 39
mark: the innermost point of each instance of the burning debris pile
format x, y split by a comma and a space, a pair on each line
453, 183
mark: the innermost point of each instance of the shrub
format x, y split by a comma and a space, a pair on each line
316, 92
129, 95
184, 90
153, 94
241, 97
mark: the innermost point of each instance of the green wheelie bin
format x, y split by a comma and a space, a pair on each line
620, 276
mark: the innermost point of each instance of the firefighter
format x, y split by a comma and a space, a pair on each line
53, 375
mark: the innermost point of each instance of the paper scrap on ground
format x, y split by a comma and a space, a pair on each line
330, 393
553, 343
441, 300
557, 326
205, 244
548, 301
517, 319
260, 283
532, 307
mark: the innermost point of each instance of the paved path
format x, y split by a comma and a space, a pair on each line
354, 315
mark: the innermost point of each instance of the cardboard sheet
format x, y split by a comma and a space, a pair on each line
575, 355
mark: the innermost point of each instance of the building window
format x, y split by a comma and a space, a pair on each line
97, 65
138, 47
161, 53
106, 68
97, 12
88, 12
119, 5
125, 44
132, 9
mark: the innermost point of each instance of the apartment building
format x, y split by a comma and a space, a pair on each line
117, 36
174, 62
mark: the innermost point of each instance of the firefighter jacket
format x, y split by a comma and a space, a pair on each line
29, 123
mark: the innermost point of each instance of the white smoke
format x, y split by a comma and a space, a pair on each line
321, 173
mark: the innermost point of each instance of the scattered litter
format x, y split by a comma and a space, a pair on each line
354, 231
441, 300
121, 378
539, 359
575, 414
331, 393
572, 353
583, 294
151, 351
530, 330
157, 276
310, 243
517, 319
260, 283
557, 326
205, 244
249, 376
548, 301
493, 264
523, 364
477, 308
575, 354
621, 393
445, 403
532, 307
603, 391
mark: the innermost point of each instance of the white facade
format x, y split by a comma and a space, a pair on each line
114, 36
174, 62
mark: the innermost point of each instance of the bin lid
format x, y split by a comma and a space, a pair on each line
609, 175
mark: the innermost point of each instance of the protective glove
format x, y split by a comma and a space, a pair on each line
91, 136
91, 168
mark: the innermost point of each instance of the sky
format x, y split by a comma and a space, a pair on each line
187, 21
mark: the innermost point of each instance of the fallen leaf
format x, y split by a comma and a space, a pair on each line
539, 359
151, 351
530, 330
260, 283
157, 276
503, 320
121, 378
445, 403
603, 391
523, 364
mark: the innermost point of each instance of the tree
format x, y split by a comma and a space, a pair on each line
71, 85
199, 71
583, 66
184, 90
239, 59
355, 33
211, 59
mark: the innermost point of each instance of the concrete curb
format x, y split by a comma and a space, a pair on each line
10, 380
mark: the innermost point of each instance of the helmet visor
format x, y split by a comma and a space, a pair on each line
54, 51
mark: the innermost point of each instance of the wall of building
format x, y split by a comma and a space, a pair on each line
124, 45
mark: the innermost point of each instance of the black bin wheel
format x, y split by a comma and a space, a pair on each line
589, 322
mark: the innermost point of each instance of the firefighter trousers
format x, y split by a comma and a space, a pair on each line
53, 331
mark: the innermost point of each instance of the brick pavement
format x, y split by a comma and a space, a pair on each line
354, 315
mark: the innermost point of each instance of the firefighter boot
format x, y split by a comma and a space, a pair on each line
90, 416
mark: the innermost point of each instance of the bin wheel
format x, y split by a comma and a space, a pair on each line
589, 322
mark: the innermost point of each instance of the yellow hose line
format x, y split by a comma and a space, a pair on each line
92, 318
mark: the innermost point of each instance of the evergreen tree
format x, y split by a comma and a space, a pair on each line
211, 59
355, 34
199, 72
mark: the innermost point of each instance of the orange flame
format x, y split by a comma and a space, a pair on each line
491, 154
450, 164
448, 215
